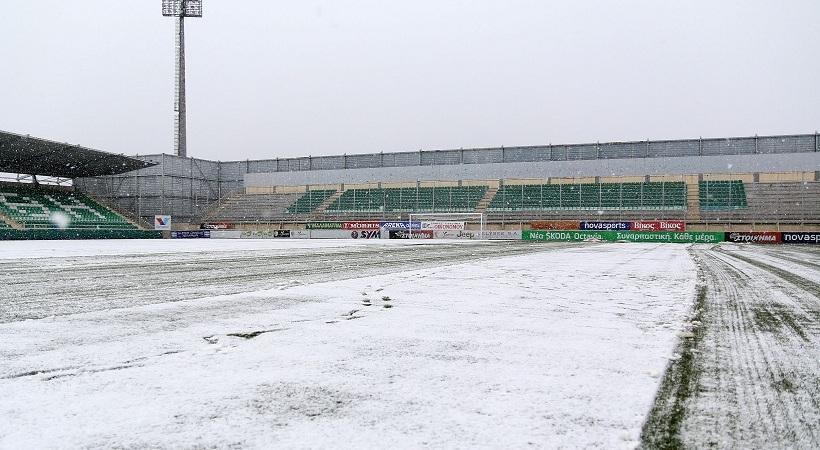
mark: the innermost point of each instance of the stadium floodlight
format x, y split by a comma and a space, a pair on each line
180, 9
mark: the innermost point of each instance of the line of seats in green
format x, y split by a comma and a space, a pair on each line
4, 225
310, 201
596, 196
42, 208
422, 199
722, 195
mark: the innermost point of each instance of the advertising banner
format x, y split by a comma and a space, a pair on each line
566, 236
324, 226
329, 234
694, 237
400, 225
605, 226
368, 225
460, 234
366, 234
442, 226
216, 226
501, 235
801, 237
265, 234
627, 236
226, 234
755, 237
200, 234
555, 225
413, 234
299, 234
162, 222
662, 225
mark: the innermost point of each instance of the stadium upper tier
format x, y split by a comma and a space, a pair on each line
30, 207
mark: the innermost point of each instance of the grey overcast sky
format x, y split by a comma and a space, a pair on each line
276, 79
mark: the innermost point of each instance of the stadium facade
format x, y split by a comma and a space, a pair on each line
715, 181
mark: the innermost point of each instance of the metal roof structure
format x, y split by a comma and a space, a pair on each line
34, 156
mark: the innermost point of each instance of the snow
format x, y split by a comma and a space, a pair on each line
558, 346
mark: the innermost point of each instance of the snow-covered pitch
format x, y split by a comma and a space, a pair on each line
405, 344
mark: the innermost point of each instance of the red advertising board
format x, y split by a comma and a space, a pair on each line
660, 225
755, 237
369, 225
554, 225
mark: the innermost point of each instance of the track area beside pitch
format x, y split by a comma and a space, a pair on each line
748, 372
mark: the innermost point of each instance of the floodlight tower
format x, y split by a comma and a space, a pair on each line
180, 9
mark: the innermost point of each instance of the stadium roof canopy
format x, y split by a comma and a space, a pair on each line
34, 156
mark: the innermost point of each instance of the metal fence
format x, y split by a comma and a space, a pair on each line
802, 143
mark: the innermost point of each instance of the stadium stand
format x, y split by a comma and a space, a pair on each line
418, 199
310, 201
721, 195
242, 208
593, 196
36, 208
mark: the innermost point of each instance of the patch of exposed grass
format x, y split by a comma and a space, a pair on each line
662, 428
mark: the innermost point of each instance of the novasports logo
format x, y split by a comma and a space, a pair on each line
604, 225
805, 237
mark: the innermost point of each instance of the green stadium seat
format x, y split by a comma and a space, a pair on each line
422, 199
310, 201
38, 208
594, 196
722, 195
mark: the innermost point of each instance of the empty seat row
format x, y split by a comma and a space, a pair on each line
421, 199
722, 195
310, 201
598, 196
43, 208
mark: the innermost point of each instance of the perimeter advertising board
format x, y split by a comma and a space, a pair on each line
442, 226
754, 237
801, 237
400, 225
200, 234
361, 225
324, 226
628, 236
266, 234
605, 226
659, 225
226, 234
555, 225
345, 234
501, 235
460, 234
412, 234
216, 226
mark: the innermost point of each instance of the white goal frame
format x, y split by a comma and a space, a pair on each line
450, 217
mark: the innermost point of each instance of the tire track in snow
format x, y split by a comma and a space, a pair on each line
755, 360
37, 288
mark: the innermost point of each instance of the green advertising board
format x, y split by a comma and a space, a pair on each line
324, 225
685, 237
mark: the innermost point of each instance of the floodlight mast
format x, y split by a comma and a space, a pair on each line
180, 9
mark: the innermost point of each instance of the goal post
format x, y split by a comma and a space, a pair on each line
443, 218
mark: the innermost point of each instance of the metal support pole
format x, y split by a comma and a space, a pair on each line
180, 142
